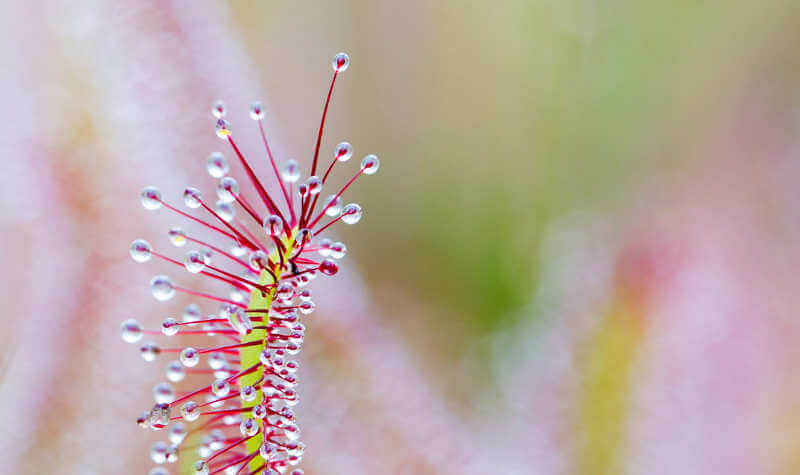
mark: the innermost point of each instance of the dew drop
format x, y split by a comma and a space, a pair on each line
228, 189
341, 62
344, 151
291, 171
169, 326
141, 251
219, 109
256, 110
175, 371
151, 198
370, 164
149, 351
223, 129
189, 357
192, 197
333, 205
163, 393
177, 237
131, 331
194, 262
190, 411
217, 165
351, 214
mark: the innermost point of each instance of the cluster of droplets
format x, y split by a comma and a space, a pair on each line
264, 254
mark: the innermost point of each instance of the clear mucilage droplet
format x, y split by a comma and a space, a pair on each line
273, 225
159, 416
163, 393
351, 214
200, 468
175, 371
223, 129
177, 237
192, 197
217, 165
219, 110
256, 110
220, 387
248, 393
228, 189
344, 151
149, 351
370, 164
191, 313
169, 326
189, 357
162, 288
314, 185
190, 412
151, 198
177, 432
194, 262
248, 427
291, 171
226, 211
328, 267
217, 361
131, 331
240, 321
341, 62
338, 250
141, 251
158, 452
333, 205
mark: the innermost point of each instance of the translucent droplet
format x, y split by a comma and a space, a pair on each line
268, 450
240, 321
302, 190
291, 431
158, 471
248, 393
328, 267
189, 357
200, 468
220, 387
238, 250
325, 247
172, 453
177, 237
304, 237
169, 326
162, 288
131, 331
207, 255
370, 164
151, 198
177, 433
175, 371
248, 427
143, 420
341, 62
344, 151
291, 171
192, 197
273, 225
190, 411
163, 393
338, 250
141, 251
314, 185
223, 129
307, 307
305, 295
217, 165
228, 189
149, 351
256, 110
194, 262
191, 313
226, 211
259, 411
351, 214
299, 471
217, 361
333, 205
258, 260
159, 416
158, 452
219, 109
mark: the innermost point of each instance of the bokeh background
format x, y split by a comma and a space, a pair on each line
580, 255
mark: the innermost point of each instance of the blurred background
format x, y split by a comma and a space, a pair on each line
579, 256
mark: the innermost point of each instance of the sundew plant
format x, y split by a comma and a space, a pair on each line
263, 254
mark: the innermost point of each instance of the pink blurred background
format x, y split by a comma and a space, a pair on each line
579, 256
